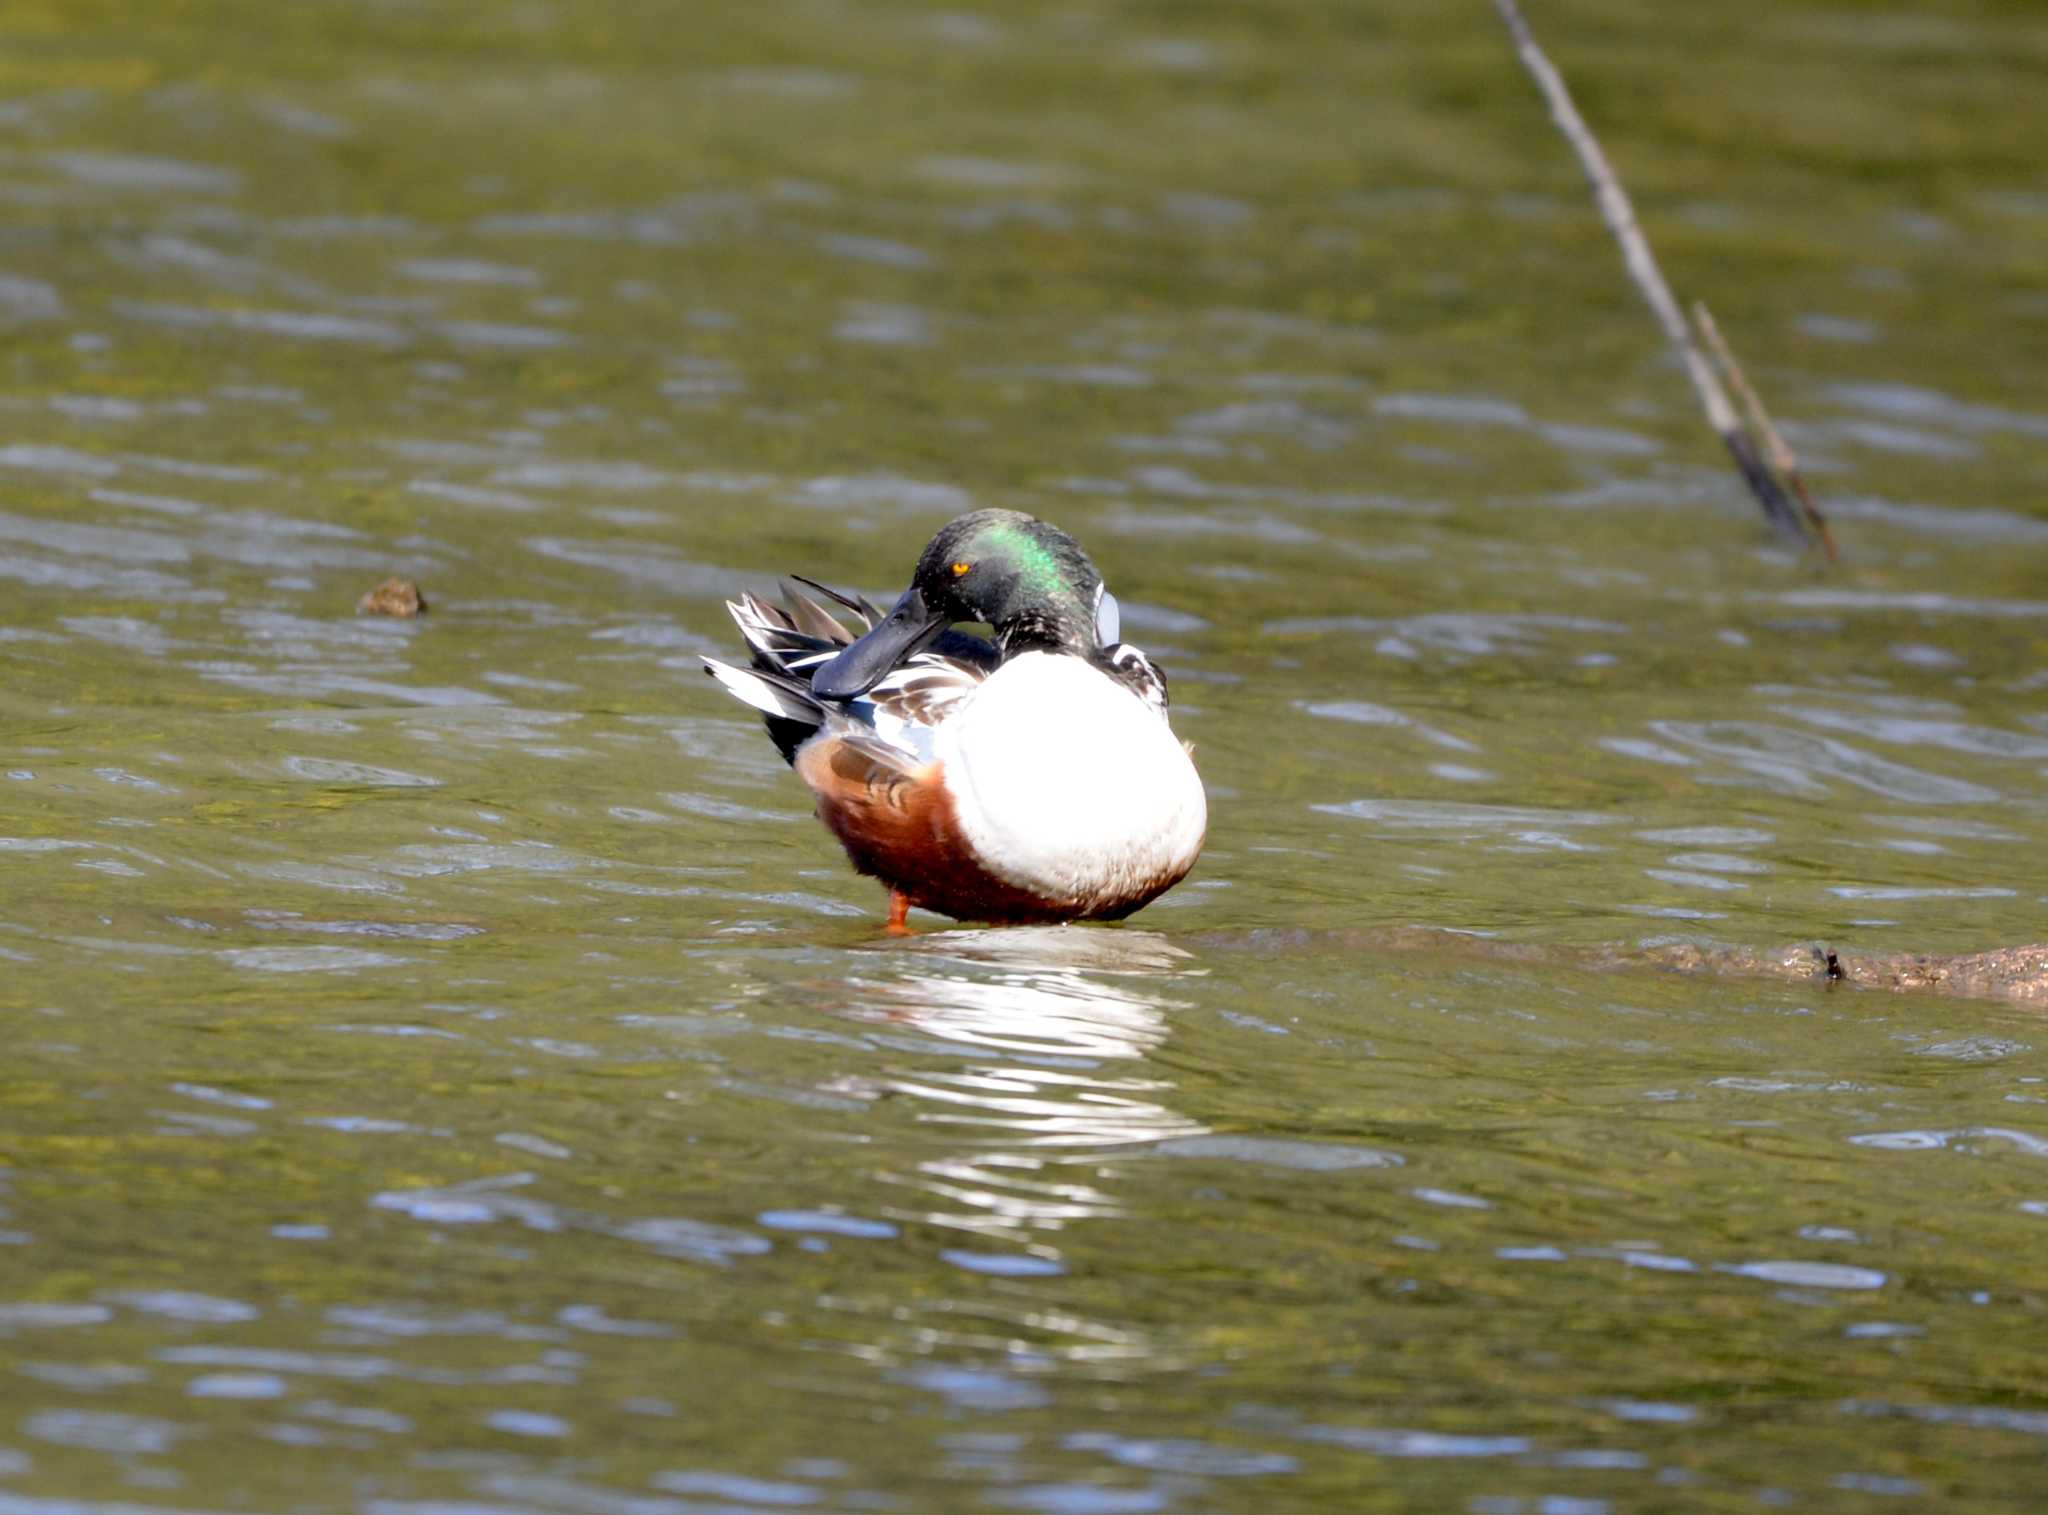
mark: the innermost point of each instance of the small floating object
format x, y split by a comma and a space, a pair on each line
395, 596
1028, 777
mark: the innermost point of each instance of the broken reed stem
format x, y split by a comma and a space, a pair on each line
1776, 448
1620, 216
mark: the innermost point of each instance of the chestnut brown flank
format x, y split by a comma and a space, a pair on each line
901, 828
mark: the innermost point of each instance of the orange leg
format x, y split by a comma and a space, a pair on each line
899, 910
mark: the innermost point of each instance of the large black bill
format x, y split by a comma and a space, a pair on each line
910, 626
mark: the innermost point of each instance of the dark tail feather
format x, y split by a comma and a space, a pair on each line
860, 605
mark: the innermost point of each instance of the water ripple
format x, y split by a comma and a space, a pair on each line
1799, 763
1811, 1275
1960, 1139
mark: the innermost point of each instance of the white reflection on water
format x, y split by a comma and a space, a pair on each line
1048, 1014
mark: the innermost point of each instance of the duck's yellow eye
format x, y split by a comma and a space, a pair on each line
961, 568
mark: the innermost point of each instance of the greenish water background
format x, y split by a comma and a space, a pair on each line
447, 1070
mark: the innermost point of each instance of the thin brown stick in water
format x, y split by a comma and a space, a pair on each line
1620, 217
1776, 448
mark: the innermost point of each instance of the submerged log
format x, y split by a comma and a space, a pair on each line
2018, 974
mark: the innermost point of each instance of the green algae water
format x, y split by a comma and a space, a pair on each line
444, 1069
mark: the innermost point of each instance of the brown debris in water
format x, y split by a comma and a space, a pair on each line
2012, 973
2018, 974
395, 596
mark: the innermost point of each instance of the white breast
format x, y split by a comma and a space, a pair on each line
1068, 785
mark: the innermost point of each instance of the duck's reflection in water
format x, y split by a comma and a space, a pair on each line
1058, 1020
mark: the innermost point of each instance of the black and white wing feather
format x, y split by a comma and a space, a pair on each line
1138, 673
790, 643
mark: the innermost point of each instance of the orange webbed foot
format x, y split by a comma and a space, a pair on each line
898, 923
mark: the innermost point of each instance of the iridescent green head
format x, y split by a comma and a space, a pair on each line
1028, 580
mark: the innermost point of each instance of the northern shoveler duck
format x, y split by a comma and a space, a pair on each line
1028, 777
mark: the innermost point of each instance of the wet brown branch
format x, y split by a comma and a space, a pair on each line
2011, 973
2018, 974
1776, 448
1619, 214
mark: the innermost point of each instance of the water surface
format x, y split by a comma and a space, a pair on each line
448, 1070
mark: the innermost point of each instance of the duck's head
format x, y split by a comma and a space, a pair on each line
1028, 580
